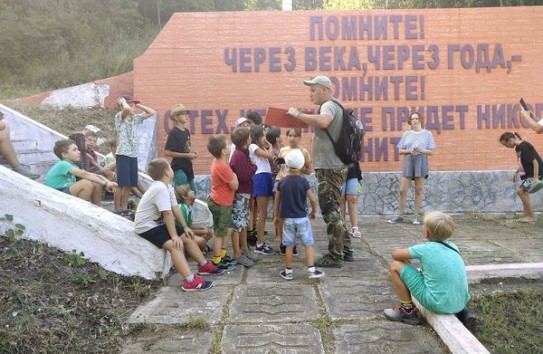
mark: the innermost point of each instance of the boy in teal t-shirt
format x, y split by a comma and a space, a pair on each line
62, 176
442, 285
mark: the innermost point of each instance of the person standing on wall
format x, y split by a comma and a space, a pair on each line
329, 170
416, 145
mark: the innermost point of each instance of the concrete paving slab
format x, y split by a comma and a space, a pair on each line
271, 338
172, 306
171, 340
357, 300
386, 337
280, 302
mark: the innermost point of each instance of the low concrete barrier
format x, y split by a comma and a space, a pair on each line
69, 223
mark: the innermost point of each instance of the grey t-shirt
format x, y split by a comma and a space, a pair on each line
322, 150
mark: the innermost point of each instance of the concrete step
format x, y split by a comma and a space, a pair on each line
31, 156
24, 144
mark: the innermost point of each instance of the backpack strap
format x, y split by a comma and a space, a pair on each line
447, 245
326, 129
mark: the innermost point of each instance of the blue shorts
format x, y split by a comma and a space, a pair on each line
350, 187
293, 227
263, 185
127, 171
65, 190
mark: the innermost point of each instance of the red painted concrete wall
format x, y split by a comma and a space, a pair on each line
466, 68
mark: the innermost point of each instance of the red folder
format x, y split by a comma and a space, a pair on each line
278, 117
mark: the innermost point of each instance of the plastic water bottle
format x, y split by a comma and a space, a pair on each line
359, 188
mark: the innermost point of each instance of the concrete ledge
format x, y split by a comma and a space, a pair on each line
476, 273
69, 223
451, 331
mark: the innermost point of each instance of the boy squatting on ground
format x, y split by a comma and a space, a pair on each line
62, 176
155, 222
442, 285
290, 205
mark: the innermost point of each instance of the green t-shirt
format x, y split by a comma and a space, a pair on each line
59, 176
444, 275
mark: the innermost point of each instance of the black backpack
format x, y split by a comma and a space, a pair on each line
350, 145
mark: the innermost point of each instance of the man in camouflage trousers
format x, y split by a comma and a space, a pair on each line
329, 170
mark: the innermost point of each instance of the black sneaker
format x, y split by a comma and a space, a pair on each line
221, 265
403, 314
348, 256
468, 319
251, 238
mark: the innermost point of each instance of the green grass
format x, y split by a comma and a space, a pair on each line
510, 323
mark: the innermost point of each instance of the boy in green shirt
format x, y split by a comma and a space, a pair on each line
442, 285
62, 176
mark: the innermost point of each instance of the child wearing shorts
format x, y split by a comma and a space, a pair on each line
442, 285
290, 205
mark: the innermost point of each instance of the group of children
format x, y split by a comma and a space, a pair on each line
256, 168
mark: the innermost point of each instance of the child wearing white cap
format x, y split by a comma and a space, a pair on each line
291, 206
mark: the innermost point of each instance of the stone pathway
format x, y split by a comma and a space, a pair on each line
255, 311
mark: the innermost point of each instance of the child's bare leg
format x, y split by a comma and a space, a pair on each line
399, 286
236, 244
6, 147
262, 207
136, 192
96, 197
125, 193
117, 200
178, 258
279, 230
252, 212
289, 257
309, 256
82, 189
404, 184
217, 246
244, 247
193, 249
526, 204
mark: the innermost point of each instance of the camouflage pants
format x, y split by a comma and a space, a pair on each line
329, 184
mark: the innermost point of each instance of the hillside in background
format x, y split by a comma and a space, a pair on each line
50, 44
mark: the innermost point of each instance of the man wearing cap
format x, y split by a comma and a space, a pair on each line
329, 170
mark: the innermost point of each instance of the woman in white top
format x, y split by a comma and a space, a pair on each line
416, 145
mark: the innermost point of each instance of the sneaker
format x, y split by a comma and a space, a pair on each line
348, 256
416, 220
285, 275
294, 251
316, 274
396, 219
355, 232
402, 314
264, 249
209, 269
221, 265
197, 284
23, 170
245, 261
468, 319
535, 186
326, 261
251, 255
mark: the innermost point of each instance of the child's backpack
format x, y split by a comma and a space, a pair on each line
350, 145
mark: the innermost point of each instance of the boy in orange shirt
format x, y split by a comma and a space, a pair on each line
224, 183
